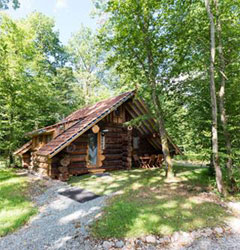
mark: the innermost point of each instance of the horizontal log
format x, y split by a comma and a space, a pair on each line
40, 158
115, 134
113, 151
80, 151
112, 163
113, 130
113, 140
81, 139
74, 171
80, 144
112, 167
77, 158
77, 165
76, 168
113, 157
43, 165
113, 146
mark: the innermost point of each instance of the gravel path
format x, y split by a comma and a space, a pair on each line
60, 224
231, 242
227, 242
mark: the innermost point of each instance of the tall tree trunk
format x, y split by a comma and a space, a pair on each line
219, 181
222, 93
151, 74
163, 134
11, 133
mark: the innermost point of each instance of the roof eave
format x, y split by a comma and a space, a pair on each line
88, 126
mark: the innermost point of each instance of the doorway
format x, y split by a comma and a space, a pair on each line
93, 150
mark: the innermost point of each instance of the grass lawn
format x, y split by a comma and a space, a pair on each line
148, 204
15, 207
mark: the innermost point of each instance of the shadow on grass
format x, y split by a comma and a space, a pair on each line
137, 178
135, 215
194, 175
148, 204
118, 180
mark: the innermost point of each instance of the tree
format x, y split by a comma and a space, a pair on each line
223, 77
133, 34
215, 152
87, 59
35, 82
4, 4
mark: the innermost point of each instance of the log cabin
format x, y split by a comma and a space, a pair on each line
94, 139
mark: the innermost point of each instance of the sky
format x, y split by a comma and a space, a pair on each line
68, 14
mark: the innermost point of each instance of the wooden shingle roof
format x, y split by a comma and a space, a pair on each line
83, 120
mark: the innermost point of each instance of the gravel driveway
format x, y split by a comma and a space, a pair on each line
60, 224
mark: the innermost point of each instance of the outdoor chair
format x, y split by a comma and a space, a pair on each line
152, 161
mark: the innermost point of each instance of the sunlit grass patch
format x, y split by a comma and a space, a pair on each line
118, 180
129, 215
137, 178
15, 207
148, 204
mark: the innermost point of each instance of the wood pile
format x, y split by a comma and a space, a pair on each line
63, 168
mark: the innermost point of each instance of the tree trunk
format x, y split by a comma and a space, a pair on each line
163, 134
151, 73
219, 181
222, 94
11, 133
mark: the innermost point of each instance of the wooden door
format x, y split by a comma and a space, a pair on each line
93, 148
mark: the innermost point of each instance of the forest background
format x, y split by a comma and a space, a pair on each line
172, 52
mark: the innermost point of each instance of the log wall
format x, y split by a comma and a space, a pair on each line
115, 144
73, 158
40, 164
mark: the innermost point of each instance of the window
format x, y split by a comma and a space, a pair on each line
136, 141
92, 148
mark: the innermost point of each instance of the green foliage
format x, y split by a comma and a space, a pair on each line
15, 208
87, 58
35, 81
177, 33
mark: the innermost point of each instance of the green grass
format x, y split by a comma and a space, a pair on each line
148, 204
15, 206
137, 178
134, 215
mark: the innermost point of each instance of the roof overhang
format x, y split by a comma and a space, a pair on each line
89, 125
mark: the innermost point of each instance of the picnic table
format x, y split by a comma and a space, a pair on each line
151, 161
